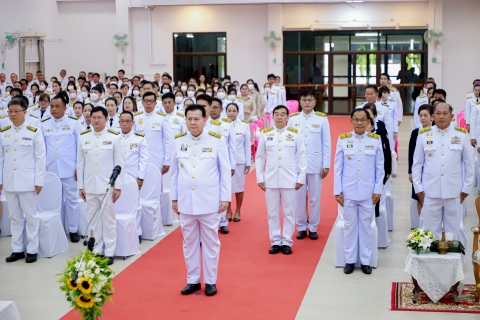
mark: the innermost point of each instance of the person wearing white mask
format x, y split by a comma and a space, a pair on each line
216, 86
209, 91
84, 94
221, 94
191, 91
179, 99
43, 86
184, 88
166, 88
175, 118
136, 92
96, 96
232, 97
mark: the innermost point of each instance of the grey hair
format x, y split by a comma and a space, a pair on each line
18, 101
449, 107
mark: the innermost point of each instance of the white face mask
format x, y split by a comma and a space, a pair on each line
425, 90
232, 97
166, 91
215, 89
84, 95
70, 87
250, 86
73, 95
190, 94
136, 92
7, 93
113, 82
42, 87
183, 88
267, 90
221, 95
178, 100
93, 96
209, 94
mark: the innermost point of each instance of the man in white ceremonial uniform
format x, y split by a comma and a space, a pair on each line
61, 134
281, 169
394, 94
213, 109
421, 100
135, 150
22, 175
99, 151
358, 184
176, 119
442, 173
201, 190
383, 112
315, 130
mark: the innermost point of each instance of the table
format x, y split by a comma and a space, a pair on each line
8, 311
436, 274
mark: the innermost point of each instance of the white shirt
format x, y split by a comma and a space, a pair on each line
217, 127
135, 150
243, 147
421, 100
177, 123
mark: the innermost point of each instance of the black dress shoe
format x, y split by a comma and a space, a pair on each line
191, 288
286, 250
229, 219
301, 234
313, 235
349, 268
110, 261
15, 256
210, 289
224, 230
236, 219
31, 258
274, 249
366, 269
74, 237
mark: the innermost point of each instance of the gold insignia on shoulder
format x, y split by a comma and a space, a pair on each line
3, 117
32, 128
215, 122
85, 131
267, 129
43, 120
138, 99
180, 135
113, 131
321, 114
180, 114
246, 121
292, 129
73, 117
161, 113
216, 135
294, 114
5, 128
137, 113
346, 135
424, 130
373, 135
226, 120
159, 98
460, 129
32, 115
139, 134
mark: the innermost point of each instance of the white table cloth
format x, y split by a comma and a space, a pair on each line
8, 311
436, 273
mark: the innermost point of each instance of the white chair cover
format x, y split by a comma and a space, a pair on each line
51, 235
126, 209
168, 216
339, 249
150, 204
5, 221
388, 202
382, 224
414, 218
84, 217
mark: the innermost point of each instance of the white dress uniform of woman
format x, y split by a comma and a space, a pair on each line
243, 153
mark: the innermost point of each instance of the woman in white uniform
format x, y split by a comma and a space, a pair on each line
179, 98
242, 158
129, 104
87, 112
78, 111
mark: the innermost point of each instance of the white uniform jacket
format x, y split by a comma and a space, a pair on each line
135, 150
177, 123
217, 127
243, 147
421, 100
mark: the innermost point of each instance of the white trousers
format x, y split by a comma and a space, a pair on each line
286, 198
358, 217
206, 225
70, 207
450, 217
106, 233
23, 206
314, 185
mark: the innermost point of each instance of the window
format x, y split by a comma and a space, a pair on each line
195, 54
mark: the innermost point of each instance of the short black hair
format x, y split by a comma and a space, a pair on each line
371, 86
475, 81
111, 99
227, 77
427, 107
147, 94
18, 101
17, 90
122, 71
431, 82
231, 104
113, 84
101, 109
126, 112
382, 90
194, 107
64, 96
204, 97
168, 95
280, 106
59, 97
386, 75
370, 106
144, 82
215, 99
98, 88
359, 110
271, 75
440, 91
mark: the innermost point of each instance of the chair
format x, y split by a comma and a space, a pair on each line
382, 222
414, 216
5, 221
51, 235
339, 249
83, 217
476, 252
253, 142
269, 119
126, 209
261, 123
168, 216
461, 119
292, 106
149, 209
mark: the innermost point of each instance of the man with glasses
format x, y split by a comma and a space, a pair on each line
315, 129
148, 87
358, 184
98, 152
61, 134
22, 175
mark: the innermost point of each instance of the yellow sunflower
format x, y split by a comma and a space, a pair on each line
85, 301
85, 285
72, 284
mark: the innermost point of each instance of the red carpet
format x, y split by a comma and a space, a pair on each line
251, 283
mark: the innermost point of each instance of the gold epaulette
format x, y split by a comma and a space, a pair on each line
461, 129
138, 99
373, 135
392, 89
161, 113
294, 114
292, 129
267, 129
5, 128
246, 121
391, 100
226, 120
139, 134
137, 113
159, 98
180, 114
180, 135
215, 122
424, 130
216, 135
321, 114
73, 117
113, 131
469, 92
85, 131
346, 135
32, 115
43, 120
3, 117
471, 97
32, 128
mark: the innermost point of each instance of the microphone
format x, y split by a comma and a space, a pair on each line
113, 177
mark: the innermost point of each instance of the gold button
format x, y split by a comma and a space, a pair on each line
96, 145
359, 159
16, 140
95, 164
14, 168
124, 145
56, 148
194, 154
14, 159
443, 145
442, 174
279, 158
57, 139
279, 149
196, 143
443, 135
14, 149
358, 179
96, 172
442, 164
57, 157
57, 130
359, 140
194, 166
443, 154
193, 188
193, 177
95, 154
306, 127
359, 169
360, 150
279, 166
279, 140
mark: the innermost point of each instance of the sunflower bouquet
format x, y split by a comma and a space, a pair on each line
92, 286
420, 239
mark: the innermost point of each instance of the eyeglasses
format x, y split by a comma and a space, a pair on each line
98, 118
307, 100
149, 101
15, 111
359, 120
125, 121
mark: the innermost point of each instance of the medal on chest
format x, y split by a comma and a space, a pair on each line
184, 147
456, 140
289, 137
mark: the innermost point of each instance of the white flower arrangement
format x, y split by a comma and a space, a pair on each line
420, 239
